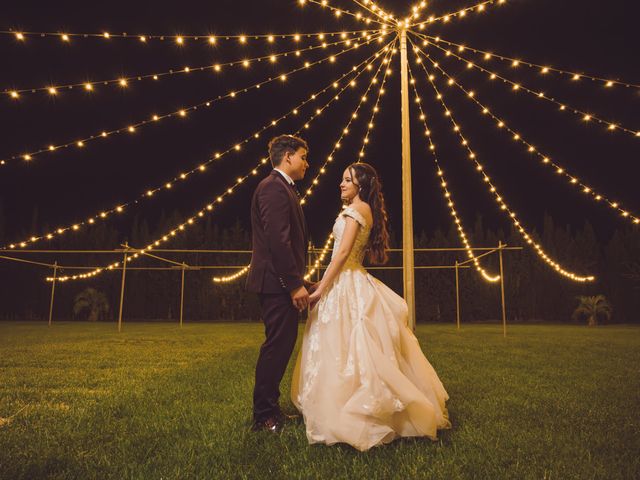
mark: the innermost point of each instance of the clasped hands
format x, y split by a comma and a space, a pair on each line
303, 298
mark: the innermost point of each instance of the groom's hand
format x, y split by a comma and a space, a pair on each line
300, 298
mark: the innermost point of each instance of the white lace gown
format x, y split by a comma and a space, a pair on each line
361, 377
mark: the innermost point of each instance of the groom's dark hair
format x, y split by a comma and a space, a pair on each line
283, 144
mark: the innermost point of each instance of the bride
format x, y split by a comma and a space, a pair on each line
360, 377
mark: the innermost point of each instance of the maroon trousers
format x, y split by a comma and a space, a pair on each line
280, 319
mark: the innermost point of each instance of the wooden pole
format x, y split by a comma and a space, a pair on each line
504, 310
124, 273
182, 295
53, 290
457, 298
407, 197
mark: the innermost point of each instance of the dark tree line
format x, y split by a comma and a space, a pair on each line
534, 292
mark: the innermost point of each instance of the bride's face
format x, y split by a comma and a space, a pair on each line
348, 189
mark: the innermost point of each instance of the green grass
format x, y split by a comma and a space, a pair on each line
82, 401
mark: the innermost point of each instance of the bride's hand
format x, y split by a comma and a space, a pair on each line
315, 297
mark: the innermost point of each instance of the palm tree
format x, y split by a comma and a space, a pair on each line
92, 300
592, 307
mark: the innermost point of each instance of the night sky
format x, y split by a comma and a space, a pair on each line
68, 185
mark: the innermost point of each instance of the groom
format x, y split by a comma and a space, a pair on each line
278, 262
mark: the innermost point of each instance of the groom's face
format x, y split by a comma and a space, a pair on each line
297, 163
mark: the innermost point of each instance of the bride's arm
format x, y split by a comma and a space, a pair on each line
337, 262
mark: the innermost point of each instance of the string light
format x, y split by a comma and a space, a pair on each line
448, 198
123, 82
323, 253
375, 9
322, 169
563, 107
499, 199
243, 271
545, 160
479, 7
208, 38
184, 225
374, 111
417, 9
206, 103
231, 278
543, 69
345, 131
339, 11
210, 207
166, 185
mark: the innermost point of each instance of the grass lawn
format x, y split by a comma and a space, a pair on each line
82, 401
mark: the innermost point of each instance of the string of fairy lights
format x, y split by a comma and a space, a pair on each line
375, 9
515, 87
416, 12
322, 170
338, 12
545, 160
370, 125
494, 191
385, 23
346, 130
183, 112
123, 82
185, 175
323, 253
180, 39
448, 198
208, 208
479, 8
376, 108
542, 69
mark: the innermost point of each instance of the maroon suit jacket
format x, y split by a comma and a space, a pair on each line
279, 238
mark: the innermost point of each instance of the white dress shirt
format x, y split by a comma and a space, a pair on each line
286, 177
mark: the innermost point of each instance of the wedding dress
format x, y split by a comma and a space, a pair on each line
361, 377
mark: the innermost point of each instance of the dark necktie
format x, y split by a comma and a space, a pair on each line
295, 189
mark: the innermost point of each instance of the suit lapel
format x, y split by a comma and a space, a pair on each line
296, 201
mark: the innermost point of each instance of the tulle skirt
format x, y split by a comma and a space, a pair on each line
361, 377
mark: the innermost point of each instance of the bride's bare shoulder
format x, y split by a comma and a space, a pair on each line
364, 209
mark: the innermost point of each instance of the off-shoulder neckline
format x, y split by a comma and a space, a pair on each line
356, 215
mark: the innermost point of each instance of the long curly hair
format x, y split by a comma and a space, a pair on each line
370, 191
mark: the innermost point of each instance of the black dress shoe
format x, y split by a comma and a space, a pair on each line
271, 424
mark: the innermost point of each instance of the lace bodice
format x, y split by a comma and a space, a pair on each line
356, 256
